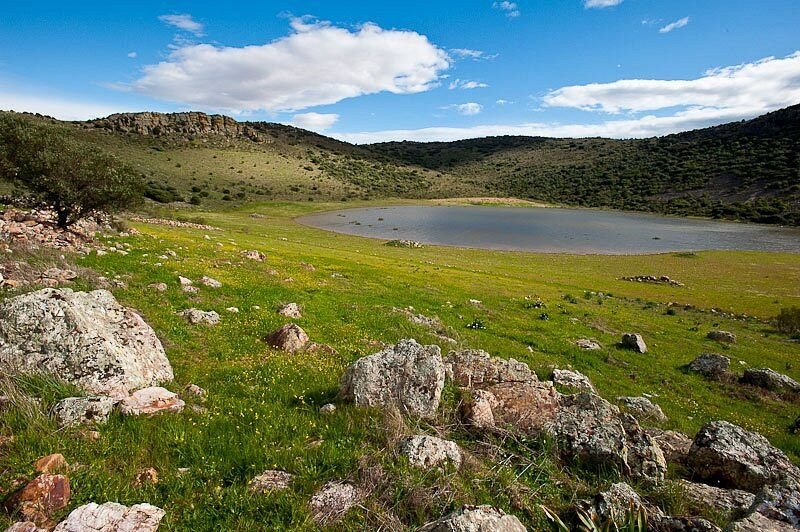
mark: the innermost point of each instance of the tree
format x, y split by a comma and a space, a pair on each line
74, 178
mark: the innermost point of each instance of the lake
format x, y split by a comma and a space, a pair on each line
553, 230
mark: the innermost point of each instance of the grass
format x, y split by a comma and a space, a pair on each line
262, 410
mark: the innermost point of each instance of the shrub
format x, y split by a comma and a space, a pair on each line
788, 321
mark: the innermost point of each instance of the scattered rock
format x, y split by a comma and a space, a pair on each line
404, 244
145, 477
332, 501
290, 338
308, 267
642, 409
426, 452
271, 480
232, 310
158, 287
314, 348
616, 502
663, 279
711, 365
112, 517
329, 408
757, 522
149, 401
26, 526
477, 369
197, 316
52, 463
724, 337
478, 409
185, 281
727, 454
193, 390
668, 523
290, 310
589, 345
85, 338
728, 501
780, 501
254, 255
407, 375
191, 290
770, 380
674, 445
477, 519
574, 380
40, 499
635, 342
83, 410
209, 282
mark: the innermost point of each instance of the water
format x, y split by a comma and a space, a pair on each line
553, 230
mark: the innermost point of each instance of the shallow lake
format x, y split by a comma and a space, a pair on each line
553, 230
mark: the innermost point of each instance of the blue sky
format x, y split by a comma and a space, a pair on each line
369, 71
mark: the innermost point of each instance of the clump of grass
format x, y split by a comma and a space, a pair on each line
788, 321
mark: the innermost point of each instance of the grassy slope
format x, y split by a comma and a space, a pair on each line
263, 405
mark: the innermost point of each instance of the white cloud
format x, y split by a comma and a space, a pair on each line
467, 53
511, 9
468, 109
501, 101
674, 25
466, 85
60, 108
600, 4
316, 64
315, 121
183, 22
132, 55
752, 88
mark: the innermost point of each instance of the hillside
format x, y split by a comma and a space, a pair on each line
747, 170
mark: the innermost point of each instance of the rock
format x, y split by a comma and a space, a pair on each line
145, 477
197, 316
518, 406
190, 290
635, 342
724, 337
193, 390
794, 428
572, 379
407, 375
26, 526
271, 480
780, 502
290, 338
704, 497
209, 282
477, 369
85, 338
185, 281
52, 463
668, 523
727, 454
314, 348
40, 499
329, 408
332, 501
149, 401
233, 310
770, 380
290, 310
478, 519
589, 345
757, 522
711, 365
254, 255
642, 409
674, 445
404, 244
83, 410
616, 502
477, 411
112, 517
426, 452
158, 287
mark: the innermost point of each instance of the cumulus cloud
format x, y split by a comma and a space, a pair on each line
466, 85
674, 25
316, 64
600, 4
467, 53
469, 108
61, 108
511, 9
183, 22
315, 121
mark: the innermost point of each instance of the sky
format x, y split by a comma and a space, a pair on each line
412, 70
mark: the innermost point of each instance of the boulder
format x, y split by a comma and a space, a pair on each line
574, 380
727, 454
112, 517
271, 480
408, 375
185, 281
669, 523
290, 338
521, 407
757, 522
52, 463
711, 365
209, 282
642, 408
731, 502
477, 519
332, 501
197, 316
328, 408
477, 369
83, 410
190, 290
616, 502
290, 310
477, 410
589, 345
26, 526
723, 337
674, 445
85, 338
149, 401
634, 342
426, 452
40, 499
780, 502
770, 379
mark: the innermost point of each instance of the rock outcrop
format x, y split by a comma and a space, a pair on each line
574, 380
186, 124
112, 517
476, 518
674, 445
86, 338
642, 408
477, 369
731, 502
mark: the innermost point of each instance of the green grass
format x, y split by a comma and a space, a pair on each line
263, 405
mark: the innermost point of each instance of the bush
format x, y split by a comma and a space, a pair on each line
788, 321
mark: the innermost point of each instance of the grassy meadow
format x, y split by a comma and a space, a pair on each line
262, 407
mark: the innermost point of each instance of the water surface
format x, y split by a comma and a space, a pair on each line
551, 230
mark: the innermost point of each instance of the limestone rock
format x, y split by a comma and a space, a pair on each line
734, 457
476, 519
407, 375
83, 410
193, 390
674, 445
526, 408
40, 498
146, 476
271, 480
185, 281
254, 255
723, 337
477, 369
86, 338
149, 401
757, 522
112, 517
616, 502
780, 502
642, 408
770, 379
27, 526
52, 463
190, 290
635, 342
668, 523
728, 501
332, 501
426, 452
209, 282
290, 338
589, 345
158, 287
290, 310
711, 365
478, 409
328, 408
197, 316
572, 379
